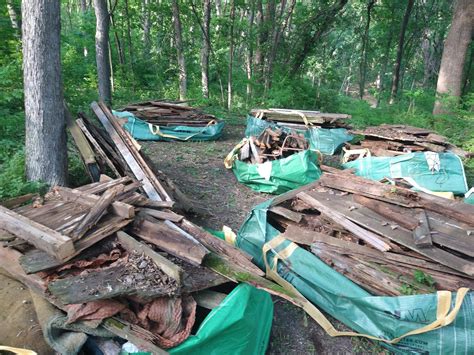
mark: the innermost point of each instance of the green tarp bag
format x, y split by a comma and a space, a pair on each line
241, 324
438, 172
277, 176
145, 131
326, 140
382, 317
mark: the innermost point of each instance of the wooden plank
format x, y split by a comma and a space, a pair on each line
140, 175
169, 240
117, 207
96, 212
169, 268
40, 236
131, 144
286, 213
18, 201
302, 236
163, 215
339, 218
232, 254
99, 187
97, 147
388, 211
422, 233
209, 299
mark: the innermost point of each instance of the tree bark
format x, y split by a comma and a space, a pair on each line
45, 142
118, 42
102, 50
258, 67
129, 38
206, 45
276, 41
179, 49
249, 52
365, 43
231, 55
454, 54
146, 28
401, 42
12, 13
83, 6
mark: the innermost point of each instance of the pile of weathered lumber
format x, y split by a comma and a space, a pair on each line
166, 113
302, 119
392, 140
272, 144
107, 253
388, 239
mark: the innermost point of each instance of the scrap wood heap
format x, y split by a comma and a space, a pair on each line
170, 113
388, 239
272, 144
108, 253
392, 140
302, 119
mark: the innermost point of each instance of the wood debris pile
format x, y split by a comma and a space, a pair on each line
392, 140
301, 119
115, 252
272, 144
166, 113
388, 239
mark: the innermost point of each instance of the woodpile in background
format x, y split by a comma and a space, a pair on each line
388, 239
169, 113
272, 144
301, 119
392, 140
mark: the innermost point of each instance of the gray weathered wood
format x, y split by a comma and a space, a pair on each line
288, 214
209, 299
422, 233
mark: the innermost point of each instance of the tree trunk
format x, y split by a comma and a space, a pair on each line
118, 42
179, 49
83, 6
401, 42
45, 143
383, 69
365, 43
276, 41
454, 54
129, 38
249, 52
231, 55
12, 13
206, 45
258, 67
102, 50
146, 28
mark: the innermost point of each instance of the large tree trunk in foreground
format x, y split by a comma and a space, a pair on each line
45, 143
102, 50
401, 42
231, 55
454, 53
206, 46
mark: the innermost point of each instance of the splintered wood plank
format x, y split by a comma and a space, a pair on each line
96, 212
286, 213
18, 201
101, 186
150, 190
37, 260
164, 215
169, 240
168, 267
339, 218
117, 207
97, 147
34, 233
422, 233
301, 235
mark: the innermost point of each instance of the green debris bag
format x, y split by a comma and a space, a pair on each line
437, 172
275, 176
325, 140
145, 131
381, 317
241, 324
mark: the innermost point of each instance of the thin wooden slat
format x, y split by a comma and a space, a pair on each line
422, 233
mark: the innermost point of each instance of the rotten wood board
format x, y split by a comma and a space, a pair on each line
286, 213
163, 215
422, 233
42, 237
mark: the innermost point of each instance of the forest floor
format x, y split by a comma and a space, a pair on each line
197, 169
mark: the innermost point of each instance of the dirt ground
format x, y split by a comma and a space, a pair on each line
197, 169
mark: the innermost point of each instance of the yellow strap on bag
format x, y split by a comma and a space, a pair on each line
232, 156
444, 316
155, 130
229, 235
